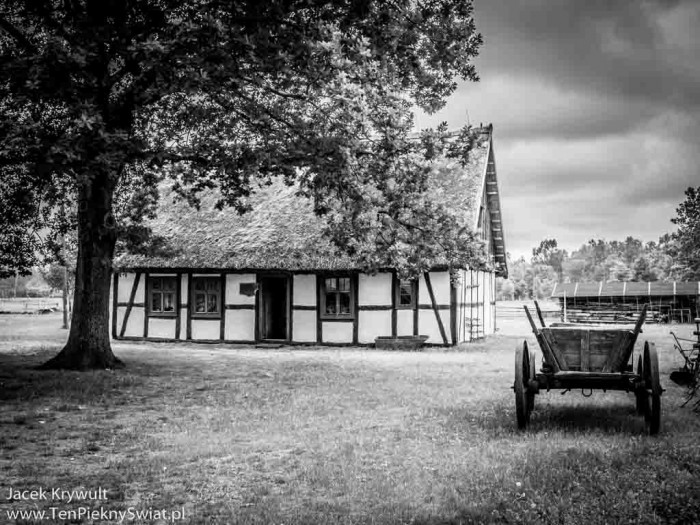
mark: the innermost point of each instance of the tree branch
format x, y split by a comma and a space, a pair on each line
273, 90
17, 35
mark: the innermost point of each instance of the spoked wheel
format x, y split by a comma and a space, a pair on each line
530, 391
641, 393
652, 384
524, 398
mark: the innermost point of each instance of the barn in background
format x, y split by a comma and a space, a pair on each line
619, 302
270, 276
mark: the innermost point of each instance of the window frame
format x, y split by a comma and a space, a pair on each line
350, 316
194, 314
150, 292
414, 294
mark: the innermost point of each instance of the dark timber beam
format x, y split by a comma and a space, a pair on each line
132, 297
436, 310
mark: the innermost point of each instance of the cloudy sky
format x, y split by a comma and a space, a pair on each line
596, 114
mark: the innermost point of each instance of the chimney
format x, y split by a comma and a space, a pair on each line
485, 131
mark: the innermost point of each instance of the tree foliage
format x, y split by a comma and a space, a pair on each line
595, 261
687, 238
548, 254
100, 99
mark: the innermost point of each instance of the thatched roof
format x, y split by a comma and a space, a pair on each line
281, 231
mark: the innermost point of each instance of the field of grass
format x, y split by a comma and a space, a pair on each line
317, 435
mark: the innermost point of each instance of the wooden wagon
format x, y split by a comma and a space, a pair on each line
588, 357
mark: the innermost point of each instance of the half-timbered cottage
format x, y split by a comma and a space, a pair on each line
269, 275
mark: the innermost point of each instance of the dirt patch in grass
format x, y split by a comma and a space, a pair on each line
317, 435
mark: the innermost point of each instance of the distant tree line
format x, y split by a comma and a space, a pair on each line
675, 257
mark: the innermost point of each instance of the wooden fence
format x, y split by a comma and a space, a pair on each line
514, 310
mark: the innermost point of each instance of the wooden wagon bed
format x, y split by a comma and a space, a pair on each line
602, 349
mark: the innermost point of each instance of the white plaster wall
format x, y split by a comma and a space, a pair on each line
233, 287
304, 326
374, 289
111, 303
427, 325
134, 328
126, 281
404, 322
373, 324
120, 318
305, 292
487, 302
162, 328
441, 288
334, 332
206, 329
183, 324
184, 295
493, 299
240, 325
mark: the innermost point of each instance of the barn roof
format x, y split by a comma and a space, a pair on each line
281, 230
626, 289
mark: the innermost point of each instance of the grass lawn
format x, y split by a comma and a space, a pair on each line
317, 435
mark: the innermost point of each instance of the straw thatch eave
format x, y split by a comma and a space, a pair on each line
281, 231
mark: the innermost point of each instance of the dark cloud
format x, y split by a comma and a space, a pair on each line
596, 113
625, 48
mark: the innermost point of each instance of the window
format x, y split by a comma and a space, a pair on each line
206, 296
337, 298
161, 295
406, 291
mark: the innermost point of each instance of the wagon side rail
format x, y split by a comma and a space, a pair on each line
621, 356
552, 355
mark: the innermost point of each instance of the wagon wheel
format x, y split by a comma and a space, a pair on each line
652, 383
640, 393
522, 396
531, 392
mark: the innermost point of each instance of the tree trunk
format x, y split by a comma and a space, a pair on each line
88, 345
65, 298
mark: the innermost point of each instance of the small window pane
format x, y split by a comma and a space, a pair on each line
344, 303
168, 284
212, 285
156, 303
406, 293
344, 284
330, 303
331, 284
168, 302
155, 284
200, 302
198, 284
212, 303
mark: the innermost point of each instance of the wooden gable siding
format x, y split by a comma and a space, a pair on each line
492, 223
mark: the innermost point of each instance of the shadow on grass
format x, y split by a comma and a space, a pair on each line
20, 381
495, 418
608, 417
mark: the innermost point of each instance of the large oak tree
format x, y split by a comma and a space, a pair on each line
100, 98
